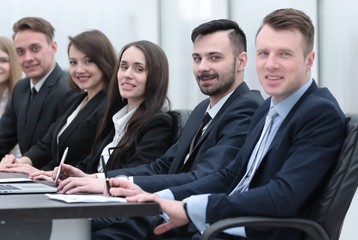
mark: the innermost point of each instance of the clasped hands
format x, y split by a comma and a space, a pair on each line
9, 163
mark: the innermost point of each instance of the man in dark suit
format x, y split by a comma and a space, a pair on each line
219, 58
303, 142
37, 99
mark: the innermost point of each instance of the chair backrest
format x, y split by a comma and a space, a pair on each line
330, 210
180, 117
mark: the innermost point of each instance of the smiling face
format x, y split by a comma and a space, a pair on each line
132, 76
281, 63
214, 65
4, 67
84, 72
35, 54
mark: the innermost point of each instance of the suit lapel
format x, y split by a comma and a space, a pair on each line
256, 132
38, 102
108, 139
289, 116
33, 113
187, 136
73, 125
81, 116
251, 141
23, 111
240, 90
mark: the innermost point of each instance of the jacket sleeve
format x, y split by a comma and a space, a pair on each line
153, 141
225, 140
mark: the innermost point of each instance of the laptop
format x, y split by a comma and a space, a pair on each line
15, 180
22, 188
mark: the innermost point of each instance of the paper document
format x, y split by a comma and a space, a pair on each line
84, 198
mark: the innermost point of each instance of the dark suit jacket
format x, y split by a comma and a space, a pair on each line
78, 136
27, 127
302, 152
152, 141
216, 148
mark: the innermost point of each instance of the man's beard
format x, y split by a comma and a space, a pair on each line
223, 83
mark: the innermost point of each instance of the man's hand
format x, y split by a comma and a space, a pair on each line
73, 185
174, 209
123, 188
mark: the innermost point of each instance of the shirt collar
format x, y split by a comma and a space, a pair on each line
216, 108
39, 84
285, 106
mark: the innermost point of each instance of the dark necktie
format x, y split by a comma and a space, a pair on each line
33, 94
198, 134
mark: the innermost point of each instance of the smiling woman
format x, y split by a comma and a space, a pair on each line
132, 76
136, 128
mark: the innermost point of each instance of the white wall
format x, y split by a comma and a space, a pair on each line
339, 44
179, 18
338, 51
120, 20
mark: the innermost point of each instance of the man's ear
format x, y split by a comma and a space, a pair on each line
310, 60
241, 61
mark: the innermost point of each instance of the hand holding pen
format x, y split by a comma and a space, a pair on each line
108, 186
60, 165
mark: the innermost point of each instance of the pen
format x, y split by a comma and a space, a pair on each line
60, 165
106, 175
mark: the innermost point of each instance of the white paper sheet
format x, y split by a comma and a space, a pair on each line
84, 198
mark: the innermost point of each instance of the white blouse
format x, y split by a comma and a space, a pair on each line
120, 120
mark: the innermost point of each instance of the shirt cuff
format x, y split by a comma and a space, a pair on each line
130, 178
196, 210
165, 194
100, 175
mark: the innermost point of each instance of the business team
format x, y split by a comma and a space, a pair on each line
281, 162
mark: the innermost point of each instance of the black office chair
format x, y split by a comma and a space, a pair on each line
180, 116
326, 216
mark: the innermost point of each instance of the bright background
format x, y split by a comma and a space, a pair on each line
169, 23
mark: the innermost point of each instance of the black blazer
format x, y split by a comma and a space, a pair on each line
26, 127
301, 154
78, 136
216, 148
152, 141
